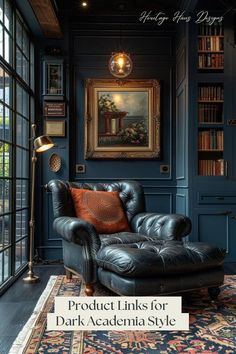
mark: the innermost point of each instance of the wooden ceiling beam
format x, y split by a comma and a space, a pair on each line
47, 18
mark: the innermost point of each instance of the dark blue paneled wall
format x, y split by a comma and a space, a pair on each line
87, 47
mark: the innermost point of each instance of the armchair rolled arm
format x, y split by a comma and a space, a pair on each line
79, 231
163, 226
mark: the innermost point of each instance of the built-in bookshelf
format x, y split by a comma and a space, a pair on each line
211, 47
211, 140
211, 167
210, 103
210, 130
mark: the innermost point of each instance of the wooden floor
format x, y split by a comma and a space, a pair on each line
18, 302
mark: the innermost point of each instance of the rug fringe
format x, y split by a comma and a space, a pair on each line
22, 338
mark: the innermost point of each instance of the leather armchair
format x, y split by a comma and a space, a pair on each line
87, 253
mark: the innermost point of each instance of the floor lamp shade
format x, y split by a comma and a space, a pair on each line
40, 144
43, 143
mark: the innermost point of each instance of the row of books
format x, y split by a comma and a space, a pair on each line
214, 30
210, 113
210, 60
211, 139
211, 43
211, 167
210, 93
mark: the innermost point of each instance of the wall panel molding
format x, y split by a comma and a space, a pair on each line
164, 204
181, 203
181, 130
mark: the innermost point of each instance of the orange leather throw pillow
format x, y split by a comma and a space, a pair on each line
102, 209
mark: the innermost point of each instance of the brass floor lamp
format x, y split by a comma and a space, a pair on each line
40, 144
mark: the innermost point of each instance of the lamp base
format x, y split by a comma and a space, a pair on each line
31, 279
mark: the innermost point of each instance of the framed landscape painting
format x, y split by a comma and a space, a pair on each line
122, 119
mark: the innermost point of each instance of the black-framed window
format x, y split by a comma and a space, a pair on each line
16, 114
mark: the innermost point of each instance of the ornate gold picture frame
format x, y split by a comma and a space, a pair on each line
122, 119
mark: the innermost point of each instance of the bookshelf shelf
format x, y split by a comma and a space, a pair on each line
211, 48
210, 150
210, 125
210, 51
204, 36
209, 68
210, 101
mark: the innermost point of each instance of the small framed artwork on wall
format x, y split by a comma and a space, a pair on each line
54, 109
55, 128
53, 79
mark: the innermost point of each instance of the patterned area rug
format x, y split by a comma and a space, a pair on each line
212, 327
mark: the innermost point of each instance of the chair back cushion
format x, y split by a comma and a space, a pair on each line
103, 210
130, 193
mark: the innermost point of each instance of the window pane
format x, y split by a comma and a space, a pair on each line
18, 255
7, 264
22, 132
1, 123
4, 231
32, 110
19, 33
25, 44
25, 69
8, 16
22, 101
5, 196
7, 124
18, 225
1, 267
18, 62
24, 250
32, 66
7, 88
25, 224
22, 163
5, 167
1, 83
25, 104
1, 40
1, 10
7, 47
21, 194
19, 98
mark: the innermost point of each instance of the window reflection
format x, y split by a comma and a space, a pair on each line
18, 252
4, 160
4, 231
21, 194
22, 163
7, 267
1, 40
1, 84
5, 195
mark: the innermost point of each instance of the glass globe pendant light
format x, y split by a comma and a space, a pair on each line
120, 64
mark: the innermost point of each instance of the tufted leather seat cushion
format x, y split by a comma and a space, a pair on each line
122, 238
148, 257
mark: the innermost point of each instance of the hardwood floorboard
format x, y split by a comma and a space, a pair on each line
230, 268
18, 302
